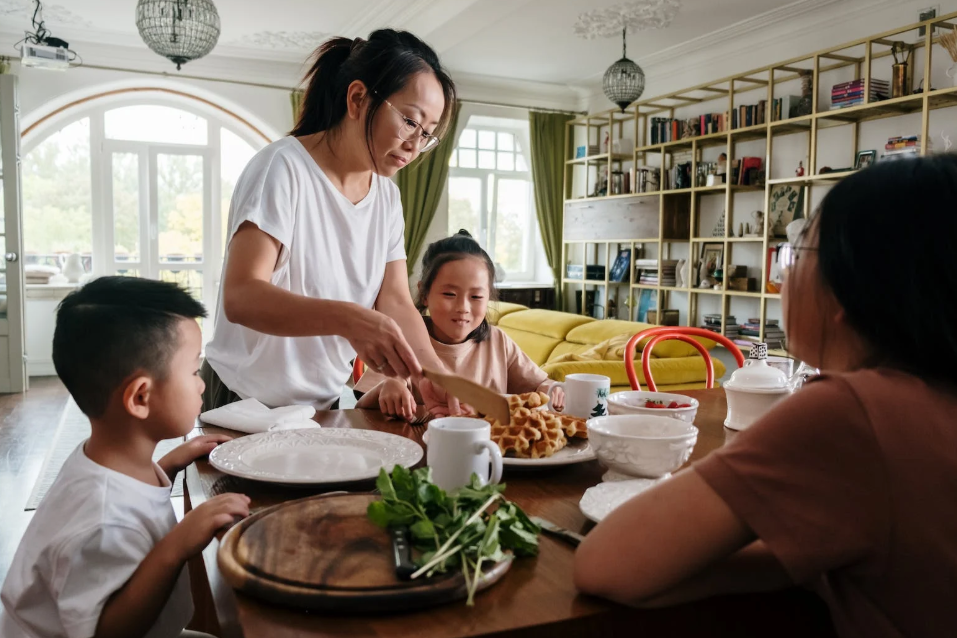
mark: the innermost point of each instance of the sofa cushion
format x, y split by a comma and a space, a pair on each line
498, 309
598, 331
538, 347
666, 372
548, 323
567, 347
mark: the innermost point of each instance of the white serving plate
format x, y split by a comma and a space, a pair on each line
601, 500
314, 456
576, 451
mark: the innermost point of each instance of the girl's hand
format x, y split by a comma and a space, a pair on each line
380, 344
396, 400
558, 399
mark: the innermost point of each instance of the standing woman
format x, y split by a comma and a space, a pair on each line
315, 269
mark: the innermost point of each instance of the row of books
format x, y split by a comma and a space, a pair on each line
745, 171
712, 322
666, 129
897, 143
785, 107
749, 115
772, 329
852, 93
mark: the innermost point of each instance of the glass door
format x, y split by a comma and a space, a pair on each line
13, 373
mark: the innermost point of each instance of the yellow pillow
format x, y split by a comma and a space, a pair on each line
537, 347
498, 309
599, 331
548, 323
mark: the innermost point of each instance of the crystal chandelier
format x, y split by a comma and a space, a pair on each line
180, 30
624, 81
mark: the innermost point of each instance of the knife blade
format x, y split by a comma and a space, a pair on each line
402, 549
568, 536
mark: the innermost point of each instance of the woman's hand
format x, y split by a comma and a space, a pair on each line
380, 344
396, 400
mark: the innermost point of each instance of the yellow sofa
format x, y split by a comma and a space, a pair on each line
546, 335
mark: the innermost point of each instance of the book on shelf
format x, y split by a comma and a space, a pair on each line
749, 115
784, 107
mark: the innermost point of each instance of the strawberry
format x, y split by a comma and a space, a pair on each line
684, 405
654, 404
673, 405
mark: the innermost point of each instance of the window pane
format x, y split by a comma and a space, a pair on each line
153, 123
453, 159
57, 206
506, 161
520, 164
126, 207
235, 153
512, 225
466, 158
180, 201
465, 204
487, 159
467, 138
487, 139
505, 141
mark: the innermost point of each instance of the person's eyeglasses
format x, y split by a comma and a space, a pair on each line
412, 131
788, 256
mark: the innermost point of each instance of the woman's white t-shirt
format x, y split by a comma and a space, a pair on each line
331, 249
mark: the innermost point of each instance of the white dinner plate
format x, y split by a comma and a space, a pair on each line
599, 501
314, 456
576, 451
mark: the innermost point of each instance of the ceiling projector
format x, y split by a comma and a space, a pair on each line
46, 56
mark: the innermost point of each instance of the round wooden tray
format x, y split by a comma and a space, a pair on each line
323, 553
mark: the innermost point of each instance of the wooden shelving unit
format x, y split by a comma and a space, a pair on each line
667, 224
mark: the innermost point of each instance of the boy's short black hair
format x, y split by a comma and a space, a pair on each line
113, 327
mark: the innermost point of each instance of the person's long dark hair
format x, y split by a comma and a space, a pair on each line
385, 63
458, 246
887, 238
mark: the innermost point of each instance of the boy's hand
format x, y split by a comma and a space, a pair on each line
396, 400
195, 448
191, 535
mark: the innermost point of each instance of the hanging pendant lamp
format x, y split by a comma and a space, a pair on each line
624, 81
180, 30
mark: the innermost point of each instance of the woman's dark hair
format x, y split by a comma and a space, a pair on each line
458, 246
887, 233
385, 63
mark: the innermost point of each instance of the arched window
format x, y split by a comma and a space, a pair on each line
138, 183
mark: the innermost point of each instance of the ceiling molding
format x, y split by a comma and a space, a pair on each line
55, 14
521, 93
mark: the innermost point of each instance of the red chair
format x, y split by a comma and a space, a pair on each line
663, 333
358, 368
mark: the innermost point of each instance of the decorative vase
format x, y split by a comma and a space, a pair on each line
73, 268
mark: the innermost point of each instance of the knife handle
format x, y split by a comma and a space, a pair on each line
402, 549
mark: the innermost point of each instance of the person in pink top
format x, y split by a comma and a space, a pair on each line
455, 289
849, 486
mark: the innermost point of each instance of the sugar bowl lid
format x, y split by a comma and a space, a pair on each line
756, 373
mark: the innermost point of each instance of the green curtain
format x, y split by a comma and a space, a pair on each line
295, 98
421, 186
548, 150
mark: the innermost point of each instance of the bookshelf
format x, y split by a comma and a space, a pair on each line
614, 202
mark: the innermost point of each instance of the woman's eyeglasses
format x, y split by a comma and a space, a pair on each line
412, 131
788, 256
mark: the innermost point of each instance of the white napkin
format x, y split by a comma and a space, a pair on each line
251, 416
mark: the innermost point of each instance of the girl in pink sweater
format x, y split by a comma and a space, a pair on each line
455, 288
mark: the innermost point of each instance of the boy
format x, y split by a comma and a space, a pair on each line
103, 555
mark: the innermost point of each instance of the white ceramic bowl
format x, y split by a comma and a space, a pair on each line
633, 402
641, 445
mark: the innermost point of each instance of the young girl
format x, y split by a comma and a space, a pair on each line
456, 285
849, 486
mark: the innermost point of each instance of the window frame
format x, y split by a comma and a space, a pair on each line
488, 215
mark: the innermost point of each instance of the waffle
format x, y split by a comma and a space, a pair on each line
529, 434
572, 426
527, 400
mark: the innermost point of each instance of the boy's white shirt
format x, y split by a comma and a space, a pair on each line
89, 534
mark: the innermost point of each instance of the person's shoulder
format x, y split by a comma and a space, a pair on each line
286, 153
389, 191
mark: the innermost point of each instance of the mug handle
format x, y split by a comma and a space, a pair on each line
494, 457
555, 386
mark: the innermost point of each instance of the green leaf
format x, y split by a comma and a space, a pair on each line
402, 480
423, 529
378, 513
384, 485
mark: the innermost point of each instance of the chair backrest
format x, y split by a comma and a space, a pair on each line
663, 333
357, 369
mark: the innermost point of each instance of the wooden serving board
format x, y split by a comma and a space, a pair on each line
323, 553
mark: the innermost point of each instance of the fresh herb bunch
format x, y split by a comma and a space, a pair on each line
453, 530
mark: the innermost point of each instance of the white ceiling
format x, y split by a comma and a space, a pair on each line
530, 40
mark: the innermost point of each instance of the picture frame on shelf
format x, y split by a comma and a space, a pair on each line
619, 270
863, 159
712, 259
787, 204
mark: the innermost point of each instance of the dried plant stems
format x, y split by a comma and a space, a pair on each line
949, 42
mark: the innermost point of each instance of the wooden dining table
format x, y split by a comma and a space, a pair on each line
536, 598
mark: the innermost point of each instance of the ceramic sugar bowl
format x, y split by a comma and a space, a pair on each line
753, 389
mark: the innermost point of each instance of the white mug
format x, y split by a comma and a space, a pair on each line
586, 395
459, 447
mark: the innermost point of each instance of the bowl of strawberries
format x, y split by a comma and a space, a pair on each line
678, 406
